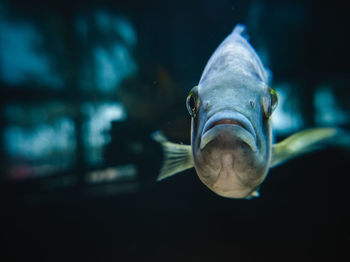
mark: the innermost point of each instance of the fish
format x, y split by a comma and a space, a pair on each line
232, 145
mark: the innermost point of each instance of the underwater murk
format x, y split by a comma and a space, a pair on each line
174, 130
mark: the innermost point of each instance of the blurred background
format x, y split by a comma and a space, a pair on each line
85, 83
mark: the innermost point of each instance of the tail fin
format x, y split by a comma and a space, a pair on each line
177, 157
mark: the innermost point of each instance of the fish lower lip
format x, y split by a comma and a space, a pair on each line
233, 120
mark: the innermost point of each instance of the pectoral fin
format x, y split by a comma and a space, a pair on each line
177, 157
253, 194
303, 142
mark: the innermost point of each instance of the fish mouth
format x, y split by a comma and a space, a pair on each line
233, 123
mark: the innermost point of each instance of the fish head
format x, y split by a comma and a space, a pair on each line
231, 131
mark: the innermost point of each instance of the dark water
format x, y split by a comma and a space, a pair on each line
85, 83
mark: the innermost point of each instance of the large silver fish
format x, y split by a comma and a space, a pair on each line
231, 137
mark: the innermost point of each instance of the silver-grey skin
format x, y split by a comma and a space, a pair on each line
231, 132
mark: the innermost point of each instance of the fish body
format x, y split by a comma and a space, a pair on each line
231, 137
231, 134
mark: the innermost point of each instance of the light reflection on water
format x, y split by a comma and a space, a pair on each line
110, 54
41, 149
20, 60
40, 141
289, 117
327, 110
42, 137
112, 66
96, 128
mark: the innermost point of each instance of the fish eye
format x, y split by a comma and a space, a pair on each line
192, 102
270, 103
274, 99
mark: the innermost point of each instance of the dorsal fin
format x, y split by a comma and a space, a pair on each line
241, 30
177, 157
